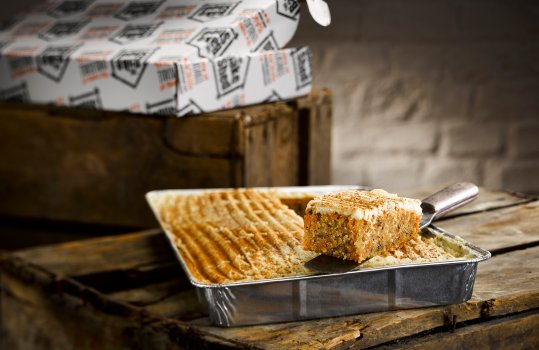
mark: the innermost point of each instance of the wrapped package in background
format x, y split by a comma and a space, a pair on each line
173, 57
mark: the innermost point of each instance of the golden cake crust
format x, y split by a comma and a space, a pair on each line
357, 225
237, 235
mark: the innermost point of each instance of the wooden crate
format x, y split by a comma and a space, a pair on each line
94, 167
128, 292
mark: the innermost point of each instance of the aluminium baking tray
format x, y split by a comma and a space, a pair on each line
326, 295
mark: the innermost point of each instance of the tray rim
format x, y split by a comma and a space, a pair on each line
480, 254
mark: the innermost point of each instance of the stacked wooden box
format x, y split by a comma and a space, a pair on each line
94, 167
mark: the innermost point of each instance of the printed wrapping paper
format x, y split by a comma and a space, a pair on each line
176, 57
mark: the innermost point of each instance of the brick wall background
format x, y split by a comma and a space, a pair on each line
427, 91
431, 91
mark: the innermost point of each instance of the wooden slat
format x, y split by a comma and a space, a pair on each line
315, 118
42, 310
183, 306
505, 284
94, 167
99, 255
513, 332
494, 295
271, 149
498, 229
152, 294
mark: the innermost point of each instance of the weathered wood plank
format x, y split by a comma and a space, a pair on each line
182, 306
169, 299
493, 296
41, 310
505, 284
498, 229
150, 294
98, 255
104, 165
271, 149
315, 118
106, 161
513, 332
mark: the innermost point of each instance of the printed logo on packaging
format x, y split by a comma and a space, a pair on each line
53, 61
176, 12
62, 29
166, 75
70, 7
213, 42
191, 108
133, 32
89, 99
166, 107
93, 66
129, 65
17, 93
288, 8
302, 67
230, 74
29, 29
103, 10
98, 32
172, 36
20, 62
274, 97
137, 9
267, 44
209, 12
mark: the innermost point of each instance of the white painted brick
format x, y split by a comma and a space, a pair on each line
473, 140
391, 172
406, 21
508, 103
491, 170
395, 173
347, 97
381, 138
524, 141
352, 61
417, 61
351, 172
521, 176
449, 102
489, 63
493, 20
445, 170
391, 99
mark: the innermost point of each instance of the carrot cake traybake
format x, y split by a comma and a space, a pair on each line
236, 235
357, 225
244, 235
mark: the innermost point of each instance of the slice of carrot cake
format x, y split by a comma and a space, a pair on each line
357, 225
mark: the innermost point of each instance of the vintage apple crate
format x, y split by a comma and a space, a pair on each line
94, 167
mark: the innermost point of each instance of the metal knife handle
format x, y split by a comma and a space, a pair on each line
449, 198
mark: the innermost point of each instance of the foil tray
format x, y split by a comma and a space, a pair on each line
316, 296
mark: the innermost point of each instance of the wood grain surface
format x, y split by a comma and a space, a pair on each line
94, 167
130, 290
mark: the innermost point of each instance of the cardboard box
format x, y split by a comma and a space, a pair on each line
177, 57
